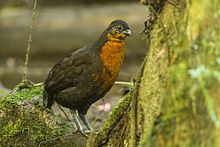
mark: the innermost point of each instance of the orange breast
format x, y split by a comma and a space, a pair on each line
112, 56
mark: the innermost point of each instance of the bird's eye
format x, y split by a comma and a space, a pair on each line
119, 27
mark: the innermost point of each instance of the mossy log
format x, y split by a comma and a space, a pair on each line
25, 122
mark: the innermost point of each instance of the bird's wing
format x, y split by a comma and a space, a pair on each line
66, 73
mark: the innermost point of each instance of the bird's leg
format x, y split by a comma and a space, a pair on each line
85, 121
76, 120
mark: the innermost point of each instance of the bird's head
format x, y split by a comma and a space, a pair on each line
118, 30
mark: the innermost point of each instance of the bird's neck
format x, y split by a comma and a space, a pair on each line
112, 55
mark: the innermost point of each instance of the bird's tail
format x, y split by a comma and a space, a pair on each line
47, 100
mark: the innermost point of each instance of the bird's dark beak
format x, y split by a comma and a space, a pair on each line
127, 32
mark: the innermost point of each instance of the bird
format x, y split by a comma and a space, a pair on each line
87, 74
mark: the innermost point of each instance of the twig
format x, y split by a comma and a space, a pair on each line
125, 84
38, 84
29, 41
134, 103
63, 111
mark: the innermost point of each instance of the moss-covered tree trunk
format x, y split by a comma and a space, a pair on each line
171, 103
134, 125
191, 116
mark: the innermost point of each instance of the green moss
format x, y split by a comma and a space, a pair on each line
13, 98
117, 112
101, 138
24, 121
